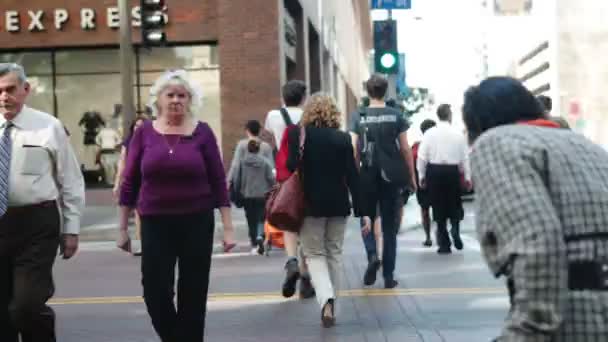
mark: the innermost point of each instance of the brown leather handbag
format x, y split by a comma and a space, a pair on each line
285, 203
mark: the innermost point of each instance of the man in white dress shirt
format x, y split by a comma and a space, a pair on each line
442, 158
41, 200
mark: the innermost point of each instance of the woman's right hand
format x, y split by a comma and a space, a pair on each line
116, 191
124, 241
367, 225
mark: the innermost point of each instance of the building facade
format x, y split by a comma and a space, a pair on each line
558, 52
239, 51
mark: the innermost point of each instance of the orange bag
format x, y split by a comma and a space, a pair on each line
273, 235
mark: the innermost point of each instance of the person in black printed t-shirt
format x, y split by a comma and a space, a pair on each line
386, 167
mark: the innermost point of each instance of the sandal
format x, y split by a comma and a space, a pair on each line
126, 246
327, 314
228, 246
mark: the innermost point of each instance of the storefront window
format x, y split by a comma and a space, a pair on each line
78, 96
41, 93
184, 57
88, 61
34, 63
88, 92
39, 70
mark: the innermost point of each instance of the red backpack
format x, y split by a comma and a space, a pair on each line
283, 154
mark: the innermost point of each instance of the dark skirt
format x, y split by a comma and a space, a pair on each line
444, 192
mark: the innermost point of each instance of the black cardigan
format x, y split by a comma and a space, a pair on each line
329, 171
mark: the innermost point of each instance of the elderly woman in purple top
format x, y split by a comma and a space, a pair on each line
175, 177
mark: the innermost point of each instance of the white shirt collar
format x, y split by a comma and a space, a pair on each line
20, 120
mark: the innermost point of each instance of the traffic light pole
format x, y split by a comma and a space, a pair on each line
391, 92
126, 66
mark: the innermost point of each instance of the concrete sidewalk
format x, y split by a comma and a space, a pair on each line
440, 298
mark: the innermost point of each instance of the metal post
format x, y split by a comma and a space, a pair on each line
391, 92
126, 66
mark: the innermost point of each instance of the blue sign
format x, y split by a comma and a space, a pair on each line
391, 4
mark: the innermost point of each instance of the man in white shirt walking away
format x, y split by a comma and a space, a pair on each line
41, 200
442, 157
278, 122
294, 94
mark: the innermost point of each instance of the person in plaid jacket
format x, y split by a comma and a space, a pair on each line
542, 217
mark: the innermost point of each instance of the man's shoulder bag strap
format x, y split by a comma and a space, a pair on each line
286, 117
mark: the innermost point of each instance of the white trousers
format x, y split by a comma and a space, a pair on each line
322, 239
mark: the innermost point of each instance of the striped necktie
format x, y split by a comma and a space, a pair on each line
5, 165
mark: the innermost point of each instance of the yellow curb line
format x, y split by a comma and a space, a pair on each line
253, 296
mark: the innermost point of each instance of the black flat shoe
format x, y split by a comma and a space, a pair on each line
444, 251
428, 243
369, 278
260, 244
291, 278
457, 241
327, 314
390, 283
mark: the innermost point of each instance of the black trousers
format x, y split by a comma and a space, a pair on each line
254, 212
445, 193
185, 240
378, 193
29, 238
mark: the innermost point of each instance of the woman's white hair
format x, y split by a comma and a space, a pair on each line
176, 77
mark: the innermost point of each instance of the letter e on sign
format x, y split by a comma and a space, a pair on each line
113, 17
12, 21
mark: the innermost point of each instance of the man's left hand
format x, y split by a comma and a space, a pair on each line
68, 245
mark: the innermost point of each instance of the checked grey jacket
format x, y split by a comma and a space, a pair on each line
535, 186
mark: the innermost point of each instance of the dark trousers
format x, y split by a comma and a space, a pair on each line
29, 238
188, 241
445, 191
388, 198
254, 212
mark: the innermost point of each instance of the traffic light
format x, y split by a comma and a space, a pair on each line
386, 56
153, 21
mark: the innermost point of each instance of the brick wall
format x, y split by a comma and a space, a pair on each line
249, 65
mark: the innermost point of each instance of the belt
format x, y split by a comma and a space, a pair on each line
107, 151
582, 275
588, 275
29, 207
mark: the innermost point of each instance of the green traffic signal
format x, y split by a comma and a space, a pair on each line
387, 62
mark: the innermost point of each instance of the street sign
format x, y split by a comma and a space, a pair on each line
391, 4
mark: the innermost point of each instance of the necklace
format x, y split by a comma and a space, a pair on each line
169, 146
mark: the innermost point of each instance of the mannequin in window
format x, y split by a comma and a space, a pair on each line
108, 141
92, 123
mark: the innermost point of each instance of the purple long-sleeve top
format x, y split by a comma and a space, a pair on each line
189, 180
